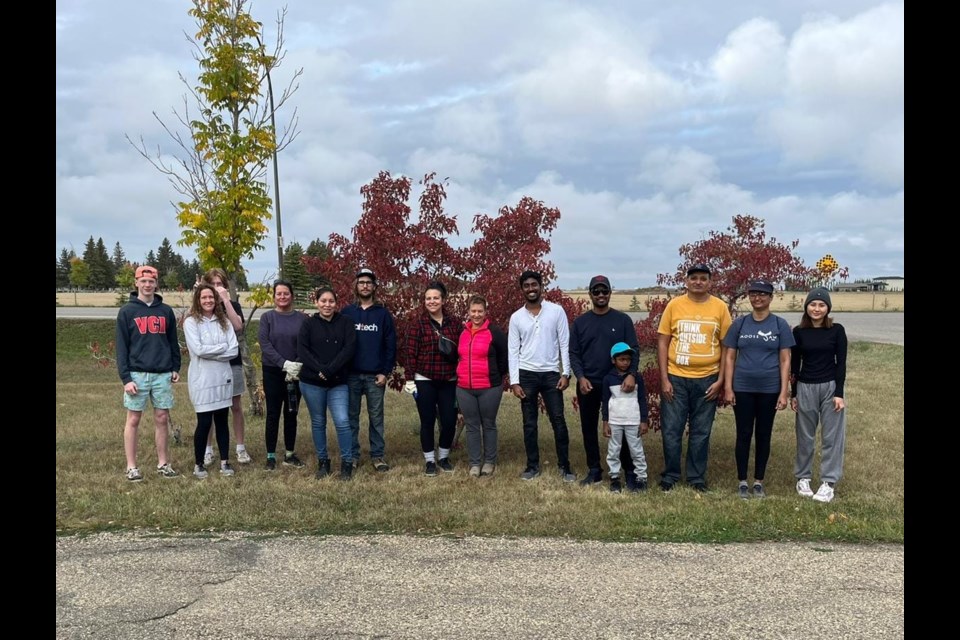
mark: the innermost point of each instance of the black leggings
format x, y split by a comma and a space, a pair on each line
754, 409
217, 417
275, 394
435, 397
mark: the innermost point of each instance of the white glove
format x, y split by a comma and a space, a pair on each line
292, 368
410, 387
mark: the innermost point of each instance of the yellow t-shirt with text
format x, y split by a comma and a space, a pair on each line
696, 330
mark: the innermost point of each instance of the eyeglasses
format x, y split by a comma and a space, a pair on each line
364, 283
600, 291
754, 294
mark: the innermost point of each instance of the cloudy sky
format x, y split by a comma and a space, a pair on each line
646, 123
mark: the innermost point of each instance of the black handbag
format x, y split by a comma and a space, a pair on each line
446, 346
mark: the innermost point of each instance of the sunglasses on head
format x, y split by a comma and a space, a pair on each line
600, 291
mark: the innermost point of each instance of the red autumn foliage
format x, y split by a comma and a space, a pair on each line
406, 254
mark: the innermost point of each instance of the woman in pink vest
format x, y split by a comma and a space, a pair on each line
480, 371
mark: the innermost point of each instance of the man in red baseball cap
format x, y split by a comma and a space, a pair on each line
148, 360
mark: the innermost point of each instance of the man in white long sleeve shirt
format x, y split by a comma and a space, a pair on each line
539, 359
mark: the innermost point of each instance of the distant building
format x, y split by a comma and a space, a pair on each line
858, 286
890, 283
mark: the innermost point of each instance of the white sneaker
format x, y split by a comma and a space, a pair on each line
824, 493
208, 458
243, 457
803, 487
199, 471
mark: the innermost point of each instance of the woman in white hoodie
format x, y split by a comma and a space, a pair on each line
212, 343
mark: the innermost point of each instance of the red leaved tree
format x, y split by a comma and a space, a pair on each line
406, 254
739, 255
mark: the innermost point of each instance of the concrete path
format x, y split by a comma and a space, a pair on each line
139, 586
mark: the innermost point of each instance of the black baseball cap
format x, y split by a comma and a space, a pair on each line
366, 272
595, 280
760, 285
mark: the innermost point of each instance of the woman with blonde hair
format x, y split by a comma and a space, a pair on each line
212, 343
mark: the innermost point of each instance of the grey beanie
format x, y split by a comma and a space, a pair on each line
818, 294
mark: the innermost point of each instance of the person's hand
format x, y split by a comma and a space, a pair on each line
410, 387
644, 428
666, 390
713, 391
793, 404
731, 397
224, 294
130, 388
175, 376
380, 380
607, 432
584, 385
629, 383
838, 404
563, 383
782, 402
518, 391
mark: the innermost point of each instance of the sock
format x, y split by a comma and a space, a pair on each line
612, 478
241, 447
444, 453
289, 453
271, 456
209, 450
429, 456
758, 482
223, 464
743, 483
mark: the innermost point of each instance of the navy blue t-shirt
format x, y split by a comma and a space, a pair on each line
758, 346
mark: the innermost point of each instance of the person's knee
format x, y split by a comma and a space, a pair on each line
161, 417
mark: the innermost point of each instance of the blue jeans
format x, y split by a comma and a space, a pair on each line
544, 384
690, 403
318, 400
361, 384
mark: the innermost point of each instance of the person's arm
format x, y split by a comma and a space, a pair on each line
411, 361
345, 356
630, 337
234, 316
175, 355
729, 362
644, 407
841, 356
715, 391
191, 332
500, 351
389, 358
270, 356
122, 348
784, 398
304, 354
513, 357
576, 358
233, 345
563, 338
663, 359
605, 401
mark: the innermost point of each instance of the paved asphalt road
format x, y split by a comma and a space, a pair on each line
867, 327
142, 586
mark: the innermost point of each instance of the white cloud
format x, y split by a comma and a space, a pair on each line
752, 60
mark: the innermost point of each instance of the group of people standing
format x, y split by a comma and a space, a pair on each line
335, 357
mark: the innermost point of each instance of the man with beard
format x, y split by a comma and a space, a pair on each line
372, 364
539, 361
591, 337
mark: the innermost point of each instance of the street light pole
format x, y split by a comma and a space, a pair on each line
276, 173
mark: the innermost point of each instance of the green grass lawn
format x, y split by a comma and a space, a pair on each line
93, 494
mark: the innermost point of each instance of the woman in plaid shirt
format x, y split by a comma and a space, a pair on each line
432, 377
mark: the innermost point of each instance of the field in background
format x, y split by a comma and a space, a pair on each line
783, 301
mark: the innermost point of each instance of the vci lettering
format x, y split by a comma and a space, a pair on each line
151, 324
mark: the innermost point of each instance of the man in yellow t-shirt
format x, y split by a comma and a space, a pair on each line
689, 353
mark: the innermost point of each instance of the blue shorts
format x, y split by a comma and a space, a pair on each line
156, 386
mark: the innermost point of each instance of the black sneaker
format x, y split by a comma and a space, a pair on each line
566, 474
615, 485
593, 476
323, 469
630, 480
293, 461
445, 465
271, 464
530, 473
639, 485
743, 492
699, 487
758, 491
666, 485
431, 469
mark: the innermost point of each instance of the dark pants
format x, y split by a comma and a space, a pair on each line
590, 426
754, 412
435, 398
204, 422
689, 403
536, 384
275, 394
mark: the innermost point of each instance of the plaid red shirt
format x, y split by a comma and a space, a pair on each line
422, 352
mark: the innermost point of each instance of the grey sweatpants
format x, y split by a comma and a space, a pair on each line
815, 405
479, 408
634, 441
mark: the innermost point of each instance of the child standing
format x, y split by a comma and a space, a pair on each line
622, 413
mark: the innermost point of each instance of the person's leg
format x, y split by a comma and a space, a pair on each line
766, 411
447, 410
808, 416
639, 459
427, 409
626, 460
161, 397
702, 412
744, 413
290, 418
469, 402
222, 429
338, 398
673, 420
273, 392
833, 437
316, 398
355, 389
589, 407
204, 422
529, 408
375, 394
613, 449
130, 437
489, 402
553, 400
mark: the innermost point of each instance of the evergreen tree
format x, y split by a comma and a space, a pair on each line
107, 270
96, 271
63, 268
295, 273
317, 249
119, 259
166, 262
151, 259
